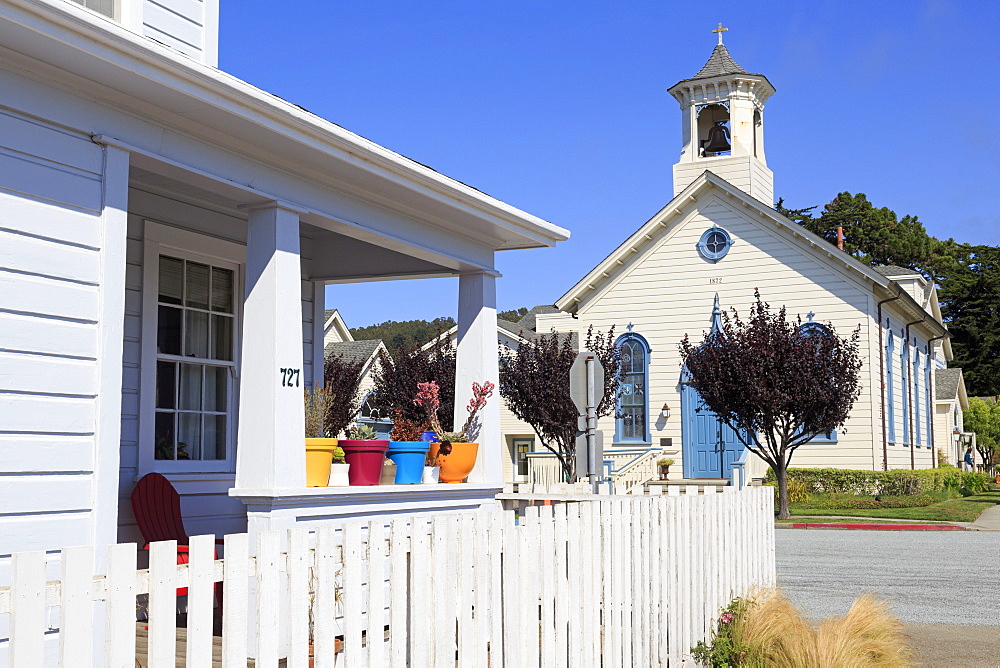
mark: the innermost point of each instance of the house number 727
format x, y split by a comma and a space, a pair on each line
289, 377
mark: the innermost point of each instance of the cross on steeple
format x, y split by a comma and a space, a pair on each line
720, 30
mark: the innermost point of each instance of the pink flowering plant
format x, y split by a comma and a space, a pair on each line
428, 397
727, 647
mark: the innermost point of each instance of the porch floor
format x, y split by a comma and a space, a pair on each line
711, 482
142, 648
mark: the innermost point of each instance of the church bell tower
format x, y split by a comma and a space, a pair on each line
722, 125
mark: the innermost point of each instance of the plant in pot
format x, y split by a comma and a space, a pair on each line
365, 454
339, 469
456, 451
407, 450
319, 448
664, 464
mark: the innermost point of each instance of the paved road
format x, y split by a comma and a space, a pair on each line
933, 577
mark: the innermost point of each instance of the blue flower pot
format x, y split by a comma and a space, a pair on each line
428, 436
409, 458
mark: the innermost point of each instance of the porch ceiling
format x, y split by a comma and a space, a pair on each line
340, 255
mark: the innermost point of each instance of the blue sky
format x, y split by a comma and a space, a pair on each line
560, 108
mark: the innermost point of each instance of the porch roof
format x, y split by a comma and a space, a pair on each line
199, 102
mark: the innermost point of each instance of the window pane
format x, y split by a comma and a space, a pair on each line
190, 394
222, 338
222, 290
168, 331
164, 435
166, 384
171, 279
215, 437
195, 334
188, 435
216, 388
197, 285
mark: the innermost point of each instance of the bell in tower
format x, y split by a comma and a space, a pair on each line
718, 140
722, 125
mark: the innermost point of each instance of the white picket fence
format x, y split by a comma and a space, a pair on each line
614, 581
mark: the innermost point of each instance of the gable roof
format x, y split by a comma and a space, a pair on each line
946, 382
354, 351
888, 270
684, 203
529, 321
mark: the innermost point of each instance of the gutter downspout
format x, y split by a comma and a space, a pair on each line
931, 402
909, 398
881, 374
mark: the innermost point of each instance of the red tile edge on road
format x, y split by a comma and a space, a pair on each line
883, 527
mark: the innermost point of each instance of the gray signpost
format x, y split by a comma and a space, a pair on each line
586, 387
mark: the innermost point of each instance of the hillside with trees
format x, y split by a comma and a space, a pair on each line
398, 336
967, 275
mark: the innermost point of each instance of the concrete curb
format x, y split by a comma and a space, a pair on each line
871, 527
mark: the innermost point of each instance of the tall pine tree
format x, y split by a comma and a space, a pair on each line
968, 276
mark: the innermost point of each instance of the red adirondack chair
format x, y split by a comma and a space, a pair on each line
157, 509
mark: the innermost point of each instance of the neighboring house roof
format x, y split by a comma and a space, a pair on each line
528, 321
889, 270
685, 204
946, 383
354, 351
949, 385
334, 327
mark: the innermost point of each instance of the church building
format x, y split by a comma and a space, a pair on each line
708, 249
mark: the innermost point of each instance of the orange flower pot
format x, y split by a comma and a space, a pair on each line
319, 456
457, 465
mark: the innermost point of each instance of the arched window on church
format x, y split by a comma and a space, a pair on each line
929, 400
633, 397
372, 417
918, 438
904, 386
818, 329
890, 410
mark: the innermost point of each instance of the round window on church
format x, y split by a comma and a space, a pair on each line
714, 244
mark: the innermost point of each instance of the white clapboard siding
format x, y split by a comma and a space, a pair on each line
617, 580
190, 26
51, 238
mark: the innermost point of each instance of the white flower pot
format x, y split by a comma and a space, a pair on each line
388, 473
338, 475
430, 475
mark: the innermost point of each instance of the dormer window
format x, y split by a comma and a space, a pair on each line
103, 7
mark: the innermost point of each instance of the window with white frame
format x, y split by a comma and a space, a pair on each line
189, 359
195, 358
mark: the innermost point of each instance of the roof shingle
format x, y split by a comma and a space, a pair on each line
719, 64
353, 351
946, 383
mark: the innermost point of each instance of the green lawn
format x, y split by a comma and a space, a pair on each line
965, 509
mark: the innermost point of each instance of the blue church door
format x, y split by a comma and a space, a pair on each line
710, 447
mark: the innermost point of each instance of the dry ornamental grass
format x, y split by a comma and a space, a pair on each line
770, 631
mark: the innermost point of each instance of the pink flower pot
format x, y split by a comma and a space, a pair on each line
366, 459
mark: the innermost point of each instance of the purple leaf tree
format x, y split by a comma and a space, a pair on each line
777, 384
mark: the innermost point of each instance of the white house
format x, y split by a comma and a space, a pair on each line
708, 249
166, 234
950, 399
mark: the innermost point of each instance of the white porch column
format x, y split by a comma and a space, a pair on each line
476, 362
270, 448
